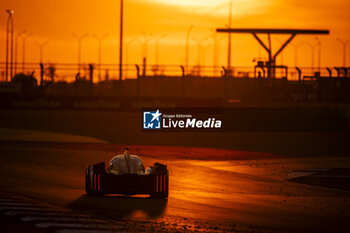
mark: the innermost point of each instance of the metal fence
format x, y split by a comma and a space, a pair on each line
69, 72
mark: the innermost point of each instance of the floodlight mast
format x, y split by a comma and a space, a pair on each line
121, 40
272, 57
9, 43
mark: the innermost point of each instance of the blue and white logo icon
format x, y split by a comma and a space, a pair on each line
151, 120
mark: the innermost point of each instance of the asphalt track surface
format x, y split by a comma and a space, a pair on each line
244, 192
243, 196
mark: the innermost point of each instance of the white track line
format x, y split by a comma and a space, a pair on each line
77, 225
62, 219
87, 231
27, 208
2, 204
61, 214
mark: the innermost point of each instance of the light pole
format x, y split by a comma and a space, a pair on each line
157, 39
229, 39
8, 32
24, 50
189, 30
204, 50
344, 44
146, 39
145, 48
312, 49
282, 60
319, 53
216, 51
16, 48
99, 39
296, 47
41, 48
80, 39
127, 53
199, 48
121, 41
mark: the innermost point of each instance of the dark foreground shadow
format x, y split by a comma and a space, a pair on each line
119, 206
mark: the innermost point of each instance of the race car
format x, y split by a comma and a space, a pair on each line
98, 182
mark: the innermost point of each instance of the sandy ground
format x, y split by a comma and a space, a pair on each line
241, 195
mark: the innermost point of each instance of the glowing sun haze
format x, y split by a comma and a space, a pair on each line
192, 3
56, 21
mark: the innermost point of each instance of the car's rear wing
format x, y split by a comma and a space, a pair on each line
99, 182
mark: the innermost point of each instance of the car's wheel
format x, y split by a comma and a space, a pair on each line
87, 181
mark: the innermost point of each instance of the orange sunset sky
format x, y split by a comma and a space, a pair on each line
56, 21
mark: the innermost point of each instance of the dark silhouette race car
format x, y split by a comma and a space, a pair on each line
98, 182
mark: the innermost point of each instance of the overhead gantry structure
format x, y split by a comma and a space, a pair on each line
272, 57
